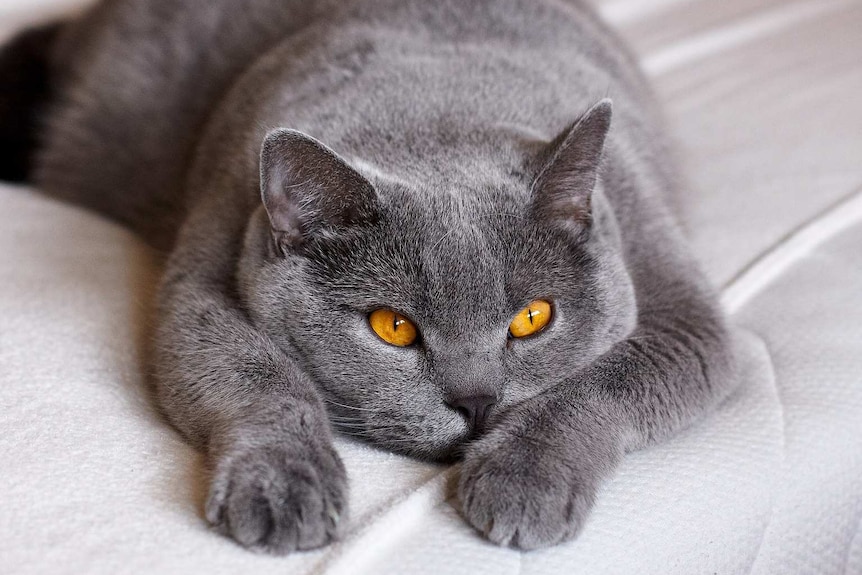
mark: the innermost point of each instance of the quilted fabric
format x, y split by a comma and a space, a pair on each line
762, 96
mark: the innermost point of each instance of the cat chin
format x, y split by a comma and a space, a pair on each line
437, 453
437, 450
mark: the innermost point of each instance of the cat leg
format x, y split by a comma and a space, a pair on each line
277, 484
532, 480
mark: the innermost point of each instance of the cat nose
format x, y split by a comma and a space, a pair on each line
475, 408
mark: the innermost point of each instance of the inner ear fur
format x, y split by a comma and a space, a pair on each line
562, 192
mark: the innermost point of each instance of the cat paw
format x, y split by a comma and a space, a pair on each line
524, 495
274, 500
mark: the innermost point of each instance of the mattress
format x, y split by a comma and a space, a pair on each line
762, 97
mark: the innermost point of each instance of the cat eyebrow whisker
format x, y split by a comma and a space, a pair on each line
443, 237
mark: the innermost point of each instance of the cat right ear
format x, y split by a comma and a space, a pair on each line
562, 193
309, 191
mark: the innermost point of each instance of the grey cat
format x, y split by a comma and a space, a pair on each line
368, 206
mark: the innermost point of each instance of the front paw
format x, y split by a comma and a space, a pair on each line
277, 500
525, 494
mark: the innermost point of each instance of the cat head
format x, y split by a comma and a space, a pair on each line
399, 300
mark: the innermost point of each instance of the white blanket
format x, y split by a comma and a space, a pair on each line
763, 96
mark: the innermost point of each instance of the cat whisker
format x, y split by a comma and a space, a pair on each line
353, 434
396, 439
327, 400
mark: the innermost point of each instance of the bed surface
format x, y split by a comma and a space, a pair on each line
763, 97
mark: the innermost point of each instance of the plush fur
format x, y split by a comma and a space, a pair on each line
305, 163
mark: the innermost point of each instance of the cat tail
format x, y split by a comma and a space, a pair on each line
25, 92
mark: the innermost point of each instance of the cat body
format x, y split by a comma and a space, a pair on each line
306, 163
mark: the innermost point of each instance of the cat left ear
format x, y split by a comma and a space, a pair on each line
310, 191
562, 193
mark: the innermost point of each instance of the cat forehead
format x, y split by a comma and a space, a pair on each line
456, 234
444, 250
423, 264
459, 213
465, 268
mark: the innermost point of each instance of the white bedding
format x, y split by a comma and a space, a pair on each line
764, 97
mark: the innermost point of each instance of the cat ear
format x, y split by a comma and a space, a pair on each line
310, 191
562, 193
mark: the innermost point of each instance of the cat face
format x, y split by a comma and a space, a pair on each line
458, 265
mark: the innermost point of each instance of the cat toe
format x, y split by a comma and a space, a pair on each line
525, 506
271, 501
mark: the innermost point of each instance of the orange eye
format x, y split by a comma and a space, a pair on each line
393, 328
532, 319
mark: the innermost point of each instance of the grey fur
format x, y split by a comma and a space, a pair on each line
469, 165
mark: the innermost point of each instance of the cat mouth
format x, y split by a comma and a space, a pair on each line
418, 442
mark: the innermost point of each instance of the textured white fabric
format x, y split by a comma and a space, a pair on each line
763, 98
